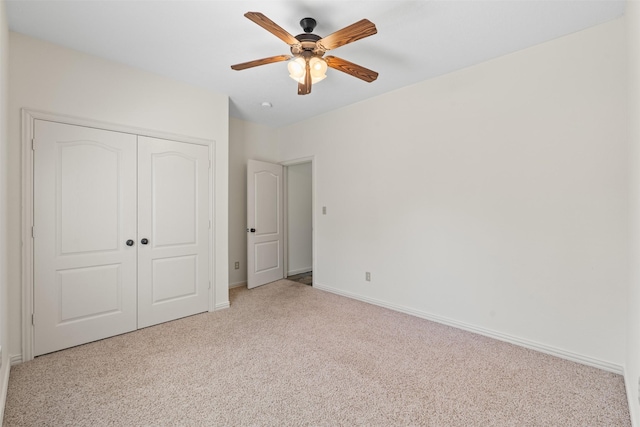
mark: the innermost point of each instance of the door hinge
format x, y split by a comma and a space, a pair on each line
209, 164
33, 319
209, 284
33, 232
209, 224
33, 144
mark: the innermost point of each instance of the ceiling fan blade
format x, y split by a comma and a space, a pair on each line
272, 27
305, 88
350, 68
353, 32
263, 61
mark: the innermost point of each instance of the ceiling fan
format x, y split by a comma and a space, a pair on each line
308, 49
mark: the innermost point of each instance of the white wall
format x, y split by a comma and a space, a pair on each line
55, 79
632, 368
493, 198
299, 224
4, 314
246, 141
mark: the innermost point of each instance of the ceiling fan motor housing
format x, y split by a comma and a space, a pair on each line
308, 45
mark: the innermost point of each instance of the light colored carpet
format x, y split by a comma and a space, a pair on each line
289, 354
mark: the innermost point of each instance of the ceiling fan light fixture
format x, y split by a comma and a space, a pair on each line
317, 66
296, 69
308, 49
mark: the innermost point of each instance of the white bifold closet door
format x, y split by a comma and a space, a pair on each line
97, 195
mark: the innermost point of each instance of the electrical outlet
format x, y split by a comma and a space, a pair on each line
237, 266
367, 276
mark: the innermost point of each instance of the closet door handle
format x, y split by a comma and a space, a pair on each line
144, 241
130, 242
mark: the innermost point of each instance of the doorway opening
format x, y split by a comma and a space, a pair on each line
299, 221
304, 278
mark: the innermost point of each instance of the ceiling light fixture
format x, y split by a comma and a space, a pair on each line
317, 66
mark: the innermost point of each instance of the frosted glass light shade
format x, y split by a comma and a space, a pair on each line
296, 69
317, 66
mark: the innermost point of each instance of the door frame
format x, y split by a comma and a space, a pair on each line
286, 164
28, 118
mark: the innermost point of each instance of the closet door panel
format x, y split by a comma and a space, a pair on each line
84, 212
173, 218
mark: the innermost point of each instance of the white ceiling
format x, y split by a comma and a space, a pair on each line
197, 41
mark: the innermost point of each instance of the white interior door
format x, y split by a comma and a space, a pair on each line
173, 230
84, 213
264, 223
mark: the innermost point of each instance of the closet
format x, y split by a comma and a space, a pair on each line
121, 233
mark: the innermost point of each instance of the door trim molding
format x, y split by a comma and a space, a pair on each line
28, 117
309, 159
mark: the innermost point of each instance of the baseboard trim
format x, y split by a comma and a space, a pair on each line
237, 284
221, 306
629, 385
299, 271
533, 345
4, 374
16, 359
